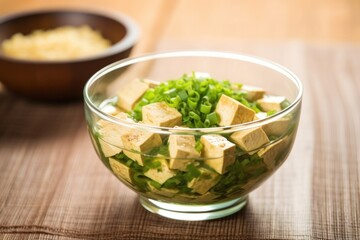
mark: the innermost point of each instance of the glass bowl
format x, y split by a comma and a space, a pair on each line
214, 186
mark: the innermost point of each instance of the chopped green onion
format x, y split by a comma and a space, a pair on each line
194, 116
245, 102
171, 92
174, 102
152, 163
199, 124
183, 95
285, 104
205, 107
199, 146
155, 184
192, 104
192, 172
204, 85
271, 112
150, 95
213, 118
195, 98
207, 123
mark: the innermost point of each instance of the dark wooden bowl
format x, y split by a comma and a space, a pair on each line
62, 80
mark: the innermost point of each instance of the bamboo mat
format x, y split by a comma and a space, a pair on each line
52, 186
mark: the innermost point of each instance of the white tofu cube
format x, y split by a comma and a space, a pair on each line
250, 139
122, 171
278, 127
110, 135
275, 128
272, 152
137, 142
110, 109
253, 93
218, 151
162, 173
131, 93
260, 115
271, 103
160, 114
205, 182
121, 115
108, 149
182, 151
233, 112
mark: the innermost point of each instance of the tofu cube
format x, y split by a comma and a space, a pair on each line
108, 149
202, 184
137, 142
120, 115
253, 93
122, 171
218, 151
151, 83
131, 93
182, 151
250, 139
278, 127
233, 112
111, 110
160, 114
162, 173
260, 115
110, 135
272, 152
271, 103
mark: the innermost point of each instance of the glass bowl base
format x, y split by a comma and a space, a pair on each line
193, 212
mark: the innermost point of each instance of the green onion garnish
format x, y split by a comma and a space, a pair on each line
195, 98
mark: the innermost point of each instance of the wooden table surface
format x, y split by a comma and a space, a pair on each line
315, 194
321, 21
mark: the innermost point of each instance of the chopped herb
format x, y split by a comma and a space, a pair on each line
155, 184
192, 172
285, 104
198, 146
272, 112
194, 97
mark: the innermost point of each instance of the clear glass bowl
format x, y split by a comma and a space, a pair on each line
167, 191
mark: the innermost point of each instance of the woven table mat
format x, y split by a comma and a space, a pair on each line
53, 186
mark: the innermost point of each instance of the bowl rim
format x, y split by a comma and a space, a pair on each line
195, 53
130, 38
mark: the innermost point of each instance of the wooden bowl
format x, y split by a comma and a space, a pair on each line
62, 80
